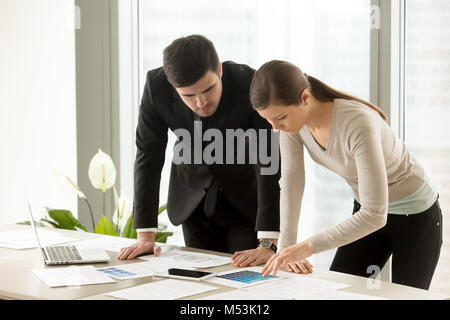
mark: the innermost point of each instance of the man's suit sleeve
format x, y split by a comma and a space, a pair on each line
268, 188
151, 142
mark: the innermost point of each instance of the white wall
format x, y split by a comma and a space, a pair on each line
37, 105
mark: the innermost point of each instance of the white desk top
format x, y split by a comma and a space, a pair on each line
18, 282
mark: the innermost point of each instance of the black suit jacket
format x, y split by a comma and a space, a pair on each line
254, 195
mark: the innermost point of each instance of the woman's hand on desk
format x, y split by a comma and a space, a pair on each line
291, 258
302, 266
145, 245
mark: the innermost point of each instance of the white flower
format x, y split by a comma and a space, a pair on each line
122, 206
66, 184
102, 172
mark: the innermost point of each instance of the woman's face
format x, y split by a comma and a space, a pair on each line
289, 119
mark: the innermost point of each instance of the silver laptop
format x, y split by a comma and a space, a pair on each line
68, 254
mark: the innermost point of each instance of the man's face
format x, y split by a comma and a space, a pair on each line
203, 97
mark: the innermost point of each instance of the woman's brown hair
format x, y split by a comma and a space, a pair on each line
282, 83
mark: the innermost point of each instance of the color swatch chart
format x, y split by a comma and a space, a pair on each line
117, 273
246, 276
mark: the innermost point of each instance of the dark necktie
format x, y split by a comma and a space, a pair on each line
211, 199
212, 190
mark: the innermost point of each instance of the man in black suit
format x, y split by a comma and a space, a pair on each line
223, 205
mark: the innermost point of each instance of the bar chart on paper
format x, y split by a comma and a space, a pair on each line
246, 276
243, 278
117, 273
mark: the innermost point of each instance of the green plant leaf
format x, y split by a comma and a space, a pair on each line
52, 223
65, 219
162, 236
36, 223
162, 226
104, 226
128, 230
162, 209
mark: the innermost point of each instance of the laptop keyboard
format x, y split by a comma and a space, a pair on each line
63, 253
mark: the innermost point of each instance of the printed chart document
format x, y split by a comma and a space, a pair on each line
191, 259
246, 277
140, 269
71, 276
162, 290
144, 269
26, 239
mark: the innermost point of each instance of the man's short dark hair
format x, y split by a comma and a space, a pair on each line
187, 59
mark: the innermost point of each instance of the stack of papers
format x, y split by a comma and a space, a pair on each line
190, 259
71, 276
90, 275
168, 259
178, 257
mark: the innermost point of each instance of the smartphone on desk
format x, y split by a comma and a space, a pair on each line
185, 274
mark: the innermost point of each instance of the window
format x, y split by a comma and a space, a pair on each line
427, 106
326, 38
37, 111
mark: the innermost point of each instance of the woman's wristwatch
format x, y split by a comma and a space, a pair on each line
267, 244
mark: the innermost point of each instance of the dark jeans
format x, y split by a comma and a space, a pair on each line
414, 241
226, 231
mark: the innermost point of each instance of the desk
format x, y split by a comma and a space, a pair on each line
18, 282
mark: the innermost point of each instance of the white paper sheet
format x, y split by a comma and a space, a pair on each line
191, 259
298, 287
26, 239
71, 276
161, 263
162, 290
341, 295
107, 243
239, 294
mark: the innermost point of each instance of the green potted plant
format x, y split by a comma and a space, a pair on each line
102, 174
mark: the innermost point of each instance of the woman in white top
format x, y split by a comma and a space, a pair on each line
396, 209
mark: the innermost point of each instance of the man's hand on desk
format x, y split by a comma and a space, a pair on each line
252, 257
145, 245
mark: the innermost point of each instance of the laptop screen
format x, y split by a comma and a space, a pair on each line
35, 231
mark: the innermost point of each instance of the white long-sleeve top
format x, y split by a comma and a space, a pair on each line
363, 149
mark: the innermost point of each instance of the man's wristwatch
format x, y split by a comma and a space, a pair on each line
267, 244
